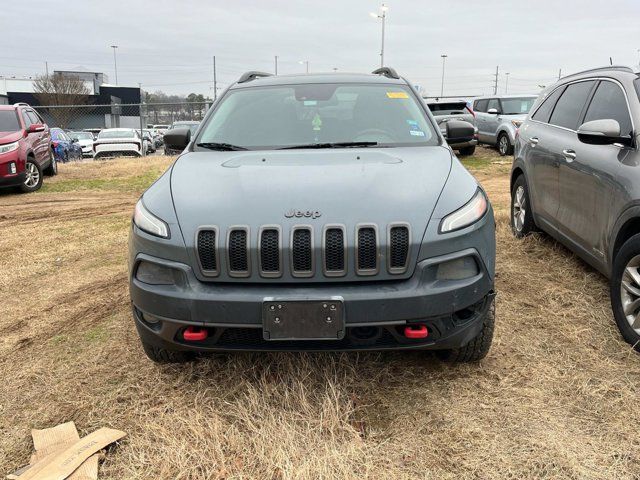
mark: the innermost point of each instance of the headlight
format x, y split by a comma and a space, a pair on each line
9, 147
516, 123
149, 223
473, 211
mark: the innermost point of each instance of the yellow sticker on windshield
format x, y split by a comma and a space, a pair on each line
397, 95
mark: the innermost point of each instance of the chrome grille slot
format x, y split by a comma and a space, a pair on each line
270, 256
398, 245
207, 250
334, 251
237, 251
367, 250
302, 252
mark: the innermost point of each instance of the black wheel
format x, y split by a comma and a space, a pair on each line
477, 348
65, 157
52, 169
504, 145
625, 291
161, 355
466, 151
33, 181
522, 223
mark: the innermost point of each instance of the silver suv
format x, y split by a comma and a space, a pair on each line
576, 175
498, 118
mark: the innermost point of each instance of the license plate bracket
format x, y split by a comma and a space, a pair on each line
308, 319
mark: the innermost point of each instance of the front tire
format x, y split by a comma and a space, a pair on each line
522, 223
504, 145
478, 347
33, 181
625, 291
162, 355
52, 169
468, 151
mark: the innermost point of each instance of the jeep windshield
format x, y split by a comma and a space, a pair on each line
318, 116
8, 121
517, 106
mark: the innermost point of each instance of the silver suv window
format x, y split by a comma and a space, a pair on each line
570, 105
609, 102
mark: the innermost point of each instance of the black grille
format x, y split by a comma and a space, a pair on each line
207, 250
238, 260
270, 251
398, 247
334, 250
367, 249
301, 251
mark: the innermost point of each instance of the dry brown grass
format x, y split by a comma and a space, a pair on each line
557, 397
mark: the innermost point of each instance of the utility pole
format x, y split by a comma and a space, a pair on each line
382, 16
276, 57
140, 115
444, 58
495, 85
46, 66
115, 63
215, 79
559, 74
506, 87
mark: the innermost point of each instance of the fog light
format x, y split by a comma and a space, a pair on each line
155, 274
458, 269
12, 168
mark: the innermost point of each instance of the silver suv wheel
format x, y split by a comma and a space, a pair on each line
33, 175
503, 145
630, 293
519, 208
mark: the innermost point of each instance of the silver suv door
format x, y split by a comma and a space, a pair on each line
588, 199
493, 120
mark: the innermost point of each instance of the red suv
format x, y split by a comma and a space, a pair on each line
25, 148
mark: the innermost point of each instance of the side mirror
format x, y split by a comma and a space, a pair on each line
602, 132
459, 131
493, 111
35, 127
177, 138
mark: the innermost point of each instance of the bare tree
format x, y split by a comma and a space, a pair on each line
64, 91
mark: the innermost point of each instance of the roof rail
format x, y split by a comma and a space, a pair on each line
619, 68
387, 72
21, 104
252, 75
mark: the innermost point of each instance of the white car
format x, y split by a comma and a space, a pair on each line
118, 141
85, 140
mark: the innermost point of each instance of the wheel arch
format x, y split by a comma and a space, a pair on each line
626, 227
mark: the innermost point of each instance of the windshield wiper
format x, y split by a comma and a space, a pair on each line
220, 146
332, 145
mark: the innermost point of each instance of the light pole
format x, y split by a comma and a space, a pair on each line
506, 87
115, 63
444, 58
306, 63
382, 15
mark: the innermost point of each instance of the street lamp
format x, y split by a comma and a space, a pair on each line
382, 15
506, 87
115, 63
305, 62
444, 58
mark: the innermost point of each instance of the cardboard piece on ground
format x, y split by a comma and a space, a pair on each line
62, 460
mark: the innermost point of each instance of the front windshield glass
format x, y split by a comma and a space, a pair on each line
8, 121
517, 106
307, 114
116, 134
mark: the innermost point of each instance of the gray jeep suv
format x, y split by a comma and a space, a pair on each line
314, 212
576, 176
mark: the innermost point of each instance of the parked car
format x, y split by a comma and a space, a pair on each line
498, 118
157, 138
160, 128
576, 175
446, 109
191, 125
314, 212
64, 147
118, 141
149, 143
25, 148
85, 140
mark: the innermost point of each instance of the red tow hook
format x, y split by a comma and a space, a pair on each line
416, 331
195, 334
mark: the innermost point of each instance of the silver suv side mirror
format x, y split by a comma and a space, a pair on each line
493, 111
602, 132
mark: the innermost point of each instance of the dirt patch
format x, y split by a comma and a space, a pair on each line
557, 397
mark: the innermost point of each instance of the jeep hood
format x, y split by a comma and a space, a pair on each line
10, 137
346, 186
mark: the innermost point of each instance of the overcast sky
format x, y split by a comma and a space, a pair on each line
168, 45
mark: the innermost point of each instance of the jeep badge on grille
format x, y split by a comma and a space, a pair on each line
303, 214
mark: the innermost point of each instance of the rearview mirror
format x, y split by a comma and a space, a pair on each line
493, 111
177, 138
459, 131
35, 127
602, 132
